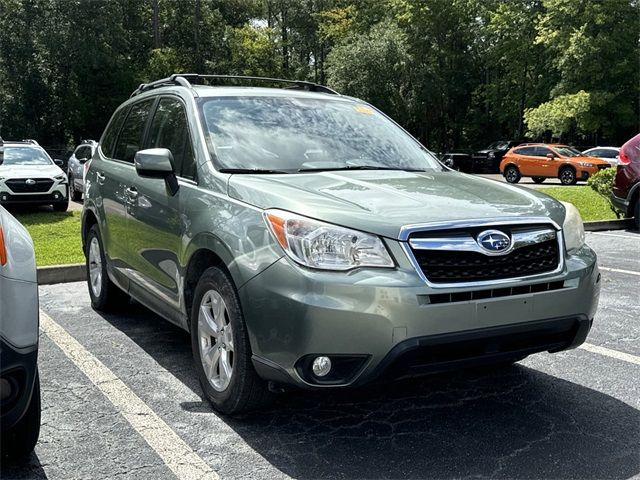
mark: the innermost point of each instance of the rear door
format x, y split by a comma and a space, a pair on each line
157, 223
525, 160
115, 174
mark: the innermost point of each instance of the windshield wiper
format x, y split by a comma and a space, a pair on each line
359, 167
259, 171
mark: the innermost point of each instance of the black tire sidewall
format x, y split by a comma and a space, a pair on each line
517, 174
98, 302
226, 401
20, 441
573, 181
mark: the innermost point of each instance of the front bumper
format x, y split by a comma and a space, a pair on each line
382, 321
58, 193
18, 375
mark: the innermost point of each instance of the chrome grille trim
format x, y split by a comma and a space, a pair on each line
546, 227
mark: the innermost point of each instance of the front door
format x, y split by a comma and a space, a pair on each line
156, 226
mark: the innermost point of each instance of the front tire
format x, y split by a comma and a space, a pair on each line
105, 295
538, 179
221, 349
512, 174
568, 176
20, 441
61, 207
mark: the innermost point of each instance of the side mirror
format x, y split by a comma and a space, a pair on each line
58, 162
157, 163
551, 156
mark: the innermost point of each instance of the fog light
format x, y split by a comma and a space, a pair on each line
4, 198
321, 366
5, 389
56, 195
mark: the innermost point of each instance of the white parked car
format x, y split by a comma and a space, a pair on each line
77, 167
608, 154
19, 382
28, 176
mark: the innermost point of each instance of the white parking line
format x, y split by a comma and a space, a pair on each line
607, 352
175, 453
628, 272
637, 237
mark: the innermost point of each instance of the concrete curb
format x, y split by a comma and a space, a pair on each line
62, 274
601, 225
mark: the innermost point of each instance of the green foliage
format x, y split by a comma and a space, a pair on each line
558, 115
374, 66
455, 73
56, 236
590, 205
602, 182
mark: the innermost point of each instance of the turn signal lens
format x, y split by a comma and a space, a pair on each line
3, 250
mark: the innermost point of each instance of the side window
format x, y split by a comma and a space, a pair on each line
130, 139
169, 129
83, 152
111, 134
608, 153
526, 151
542, 151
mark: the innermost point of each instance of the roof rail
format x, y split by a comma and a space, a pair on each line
186, 80
30, 140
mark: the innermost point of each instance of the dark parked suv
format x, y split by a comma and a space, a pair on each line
626, 186
489, 159
305, 240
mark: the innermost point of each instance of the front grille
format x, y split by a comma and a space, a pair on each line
19, 185
458, 266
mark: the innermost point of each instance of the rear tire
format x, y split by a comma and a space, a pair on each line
20, 441
512, 174
538, 179
636, 214
75, 195
568, 176
105, 295
221, 349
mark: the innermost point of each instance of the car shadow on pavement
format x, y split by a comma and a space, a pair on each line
511, 422
27, 468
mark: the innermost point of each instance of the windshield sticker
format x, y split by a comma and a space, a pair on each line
363, 109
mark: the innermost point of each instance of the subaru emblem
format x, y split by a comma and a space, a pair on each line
30, 181
494, 241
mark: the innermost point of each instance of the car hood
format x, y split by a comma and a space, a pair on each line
29, 171
382, 202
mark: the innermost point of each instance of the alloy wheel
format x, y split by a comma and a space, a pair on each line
95, 267
215, 340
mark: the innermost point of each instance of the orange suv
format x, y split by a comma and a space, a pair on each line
541, 160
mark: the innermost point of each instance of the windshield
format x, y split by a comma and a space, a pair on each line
568, 152
24, 156
299, 134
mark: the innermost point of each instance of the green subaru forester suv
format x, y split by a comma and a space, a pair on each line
306, 240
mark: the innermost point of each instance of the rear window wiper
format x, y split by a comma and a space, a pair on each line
359, 167
259, 171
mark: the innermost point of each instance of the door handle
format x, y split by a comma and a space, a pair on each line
132, 193
101, 178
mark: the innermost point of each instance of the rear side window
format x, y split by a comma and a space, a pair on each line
170, 129
111, 134
528, 151
83, 152
130, 139
542, 151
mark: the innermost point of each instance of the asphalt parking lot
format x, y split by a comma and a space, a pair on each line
121, 400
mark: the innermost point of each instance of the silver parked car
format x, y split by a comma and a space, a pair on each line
19, 382
608, 154
76, 167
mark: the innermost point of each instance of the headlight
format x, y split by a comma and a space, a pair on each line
573, 228
61, 178
324, 246
586, 164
